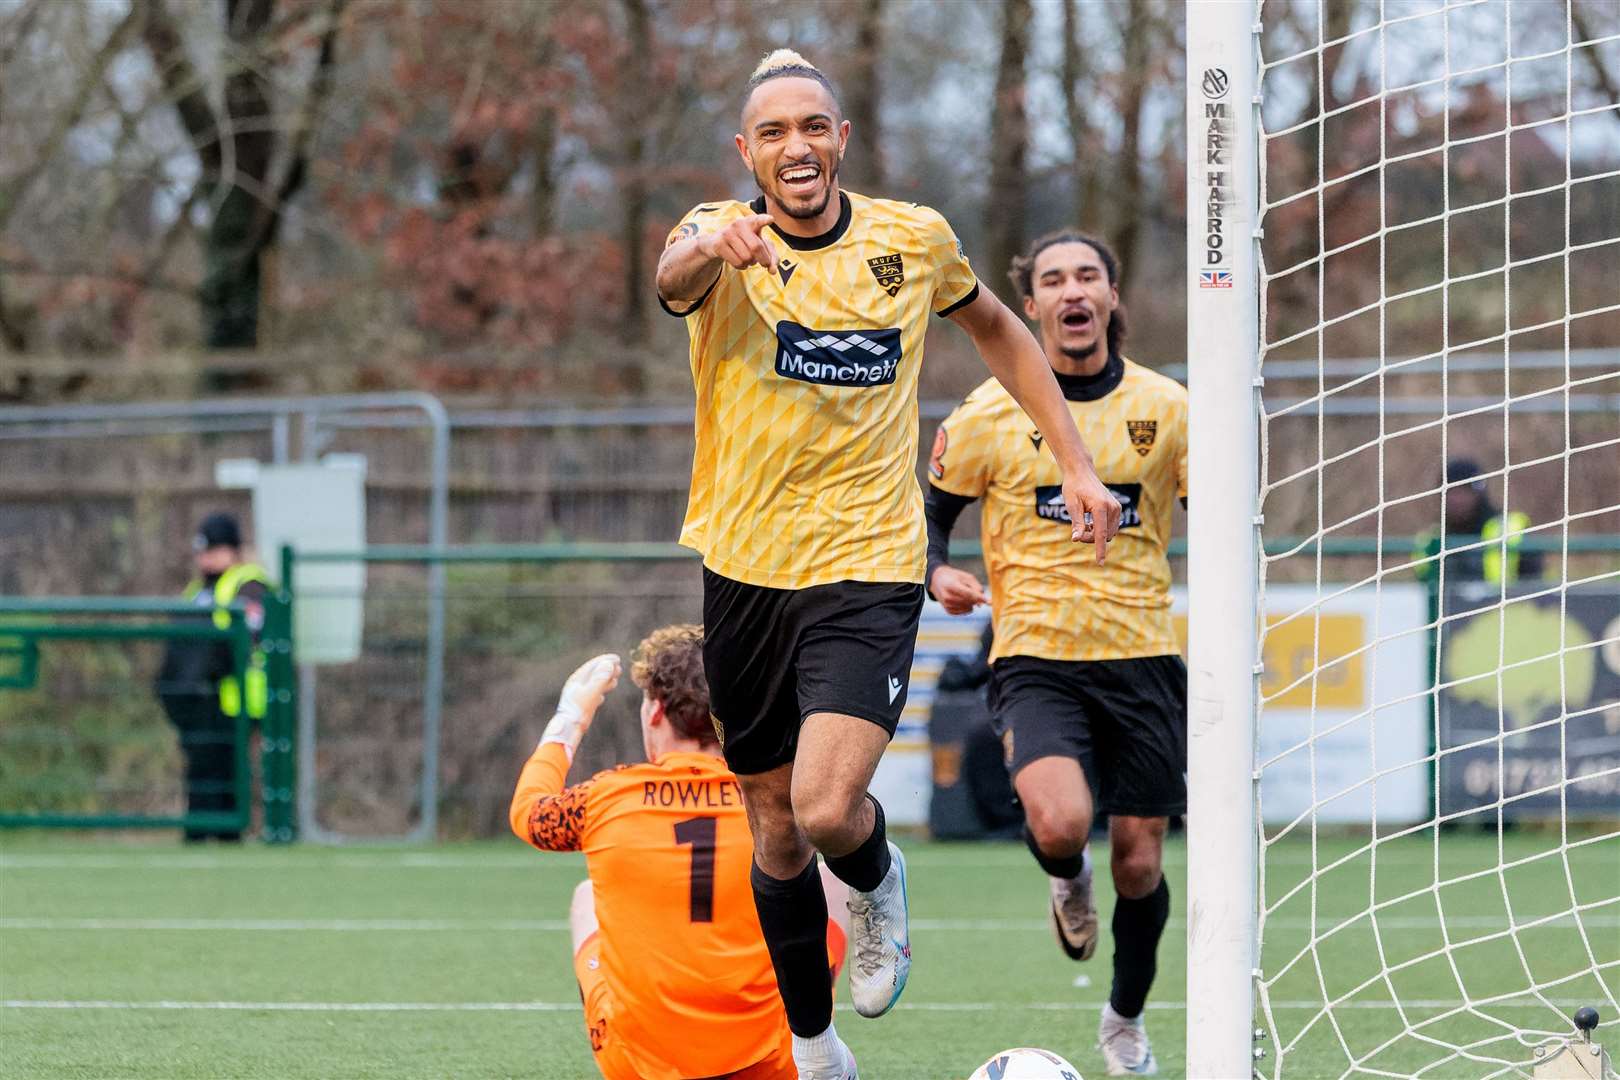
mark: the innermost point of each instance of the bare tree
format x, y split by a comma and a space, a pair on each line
90, 82
633, 188
543, 149
1136, 34
864, 165
15, 187
1084, 143
237, 147
1584, 31
1009, 147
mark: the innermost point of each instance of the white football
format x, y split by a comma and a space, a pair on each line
1026, 1063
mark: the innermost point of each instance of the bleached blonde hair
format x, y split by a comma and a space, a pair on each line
776, 60
787, 63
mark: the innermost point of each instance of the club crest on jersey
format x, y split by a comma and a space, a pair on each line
890, 271
1143, 432
1049, 504
837, 357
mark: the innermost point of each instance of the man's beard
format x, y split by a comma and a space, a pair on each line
1085, 352
805, 214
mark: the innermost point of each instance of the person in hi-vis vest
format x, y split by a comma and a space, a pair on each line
1491, 540
197, 683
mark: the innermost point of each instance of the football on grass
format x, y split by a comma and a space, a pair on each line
1026, 1063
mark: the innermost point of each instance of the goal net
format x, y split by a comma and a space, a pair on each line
1416, 206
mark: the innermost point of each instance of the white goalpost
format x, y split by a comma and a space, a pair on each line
1222, 380
1403, 283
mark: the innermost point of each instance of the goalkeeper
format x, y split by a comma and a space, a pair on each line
672, 967
1087, 687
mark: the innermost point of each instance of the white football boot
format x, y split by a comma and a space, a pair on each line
880, 941
1124, 1045
1074, 914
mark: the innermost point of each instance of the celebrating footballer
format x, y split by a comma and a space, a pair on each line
807, 309
1087, 685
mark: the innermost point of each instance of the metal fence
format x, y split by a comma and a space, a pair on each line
100, 499
463, 651
386, 752
103, 499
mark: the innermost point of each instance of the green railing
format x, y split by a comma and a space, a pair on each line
278, 783
30, 625
1331, 547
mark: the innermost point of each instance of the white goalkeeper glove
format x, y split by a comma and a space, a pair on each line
581, 696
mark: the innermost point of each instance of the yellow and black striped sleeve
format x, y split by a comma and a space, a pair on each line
955, 285
705, 217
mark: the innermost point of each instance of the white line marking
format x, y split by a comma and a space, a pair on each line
574, 1006
309, 1006
1418, 853
1490, 922
380, 861
298, 925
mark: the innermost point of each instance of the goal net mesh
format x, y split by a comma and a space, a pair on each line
1438, 739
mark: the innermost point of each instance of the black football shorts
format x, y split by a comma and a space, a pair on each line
775, 656
1125, 720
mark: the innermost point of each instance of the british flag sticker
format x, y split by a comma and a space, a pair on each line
1214, 279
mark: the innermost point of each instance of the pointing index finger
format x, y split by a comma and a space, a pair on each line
767, 251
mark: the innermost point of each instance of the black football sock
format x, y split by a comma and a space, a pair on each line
793, 918
865, 868
1138, 925
1058, 866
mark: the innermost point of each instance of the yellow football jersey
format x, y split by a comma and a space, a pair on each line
1049, 598
806, 380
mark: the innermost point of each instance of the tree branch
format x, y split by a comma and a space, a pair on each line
1009, 147
171, 235
11, 334
11, 195
1074, 68
180, 80
1583, 28
100, 272
17, 28
633, 185
303, 129
543, 147
862, 94
1127, 216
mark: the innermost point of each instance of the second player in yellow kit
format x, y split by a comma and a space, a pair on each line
1087, 689
807, 311
1046, 602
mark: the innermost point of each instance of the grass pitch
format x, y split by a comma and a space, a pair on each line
153, 961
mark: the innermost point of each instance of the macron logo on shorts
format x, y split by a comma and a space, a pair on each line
894, 689
837, 357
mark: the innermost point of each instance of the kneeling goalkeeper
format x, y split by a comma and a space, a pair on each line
672, 967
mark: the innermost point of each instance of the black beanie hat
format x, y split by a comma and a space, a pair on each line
215, 530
